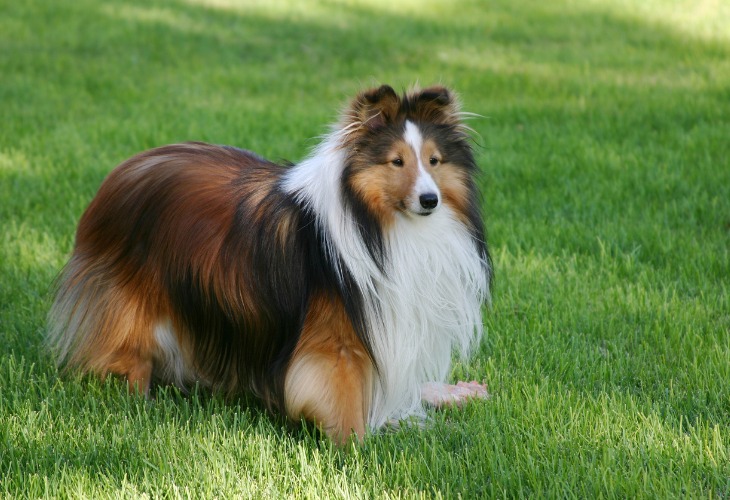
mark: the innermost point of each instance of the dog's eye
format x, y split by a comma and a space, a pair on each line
397, 162
433, 161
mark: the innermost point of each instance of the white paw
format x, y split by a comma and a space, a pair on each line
439, 394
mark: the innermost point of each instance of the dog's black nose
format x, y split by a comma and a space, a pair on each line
429, 200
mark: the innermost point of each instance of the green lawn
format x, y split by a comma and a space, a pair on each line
605, 148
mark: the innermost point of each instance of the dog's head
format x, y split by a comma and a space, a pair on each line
407, 154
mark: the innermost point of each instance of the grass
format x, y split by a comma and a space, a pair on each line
605, 151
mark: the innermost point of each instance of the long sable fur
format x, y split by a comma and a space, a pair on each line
186, 231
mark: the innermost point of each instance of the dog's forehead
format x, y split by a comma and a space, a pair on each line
408, 133
412, 136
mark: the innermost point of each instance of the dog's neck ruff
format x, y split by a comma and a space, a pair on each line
424, 304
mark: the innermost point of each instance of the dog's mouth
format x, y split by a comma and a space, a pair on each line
407, 208
420, 212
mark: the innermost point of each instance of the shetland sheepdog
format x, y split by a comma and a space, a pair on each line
332, 289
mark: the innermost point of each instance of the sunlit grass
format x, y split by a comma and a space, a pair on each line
603, 143
705, 19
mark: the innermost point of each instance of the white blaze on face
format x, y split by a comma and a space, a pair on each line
425, 196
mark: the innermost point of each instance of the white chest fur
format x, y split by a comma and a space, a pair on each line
426, 305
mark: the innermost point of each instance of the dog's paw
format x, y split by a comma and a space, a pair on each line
439, 394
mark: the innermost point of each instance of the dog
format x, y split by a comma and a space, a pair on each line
332, 289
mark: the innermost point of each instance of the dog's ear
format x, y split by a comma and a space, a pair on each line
436, 94
436, 105
374, 108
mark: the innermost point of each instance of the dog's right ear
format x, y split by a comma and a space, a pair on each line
374, 108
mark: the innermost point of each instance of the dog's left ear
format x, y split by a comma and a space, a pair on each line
436, 105
436, 94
